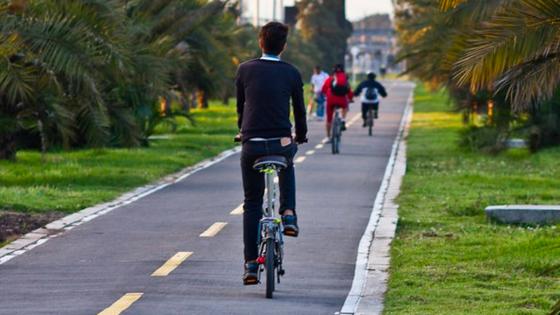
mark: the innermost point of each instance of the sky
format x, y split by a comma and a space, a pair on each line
355, 9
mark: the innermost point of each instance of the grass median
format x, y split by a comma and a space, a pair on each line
72, 180
447, 258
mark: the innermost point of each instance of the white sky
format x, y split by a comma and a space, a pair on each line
355, 9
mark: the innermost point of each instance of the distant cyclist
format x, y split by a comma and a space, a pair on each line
339, 94
265, 87
370, 98
317, 80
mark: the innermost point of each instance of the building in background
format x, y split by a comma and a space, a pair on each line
372, 46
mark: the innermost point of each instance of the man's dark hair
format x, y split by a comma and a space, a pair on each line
317, 68
371, 76
338, 68
273, 37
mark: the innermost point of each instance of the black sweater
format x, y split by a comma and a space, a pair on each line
264, 90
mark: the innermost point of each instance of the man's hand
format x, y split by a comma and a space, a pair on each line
237, 138
301, 140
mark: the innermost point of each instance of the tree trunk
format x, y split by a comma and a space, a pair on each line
8, 147
202, 100
43, 136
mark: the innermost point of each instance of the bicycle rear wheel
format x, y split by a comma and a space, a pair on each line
270, 266
370, 122
334, 135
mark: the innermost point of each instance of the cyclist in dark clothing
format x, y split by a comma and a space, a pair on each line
370, 98
265, 87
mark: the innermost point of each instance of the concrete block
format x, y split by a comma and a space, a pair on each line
525, 214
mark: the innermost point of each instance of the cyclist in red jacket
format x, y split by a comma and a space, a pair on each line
338, 92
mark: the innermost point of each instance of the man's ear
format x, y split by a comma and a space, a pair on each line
284, 49
261, 43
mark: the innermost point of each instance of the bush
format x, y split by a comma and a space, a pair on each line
486, 139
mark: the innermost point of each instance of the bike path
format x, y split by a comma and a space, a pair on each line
87, 269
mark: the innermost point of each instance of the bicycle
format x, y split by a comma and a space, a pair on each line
370, 120
336, 131
271, 241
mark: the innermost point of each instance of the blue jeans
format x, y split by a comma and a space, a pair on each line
253, 186
320, 100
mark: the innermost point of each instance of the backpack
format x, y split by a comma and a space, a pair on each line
340, 85
371, 94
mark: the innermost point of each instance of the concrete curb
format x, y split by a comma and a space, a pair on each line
55, 228
372, 264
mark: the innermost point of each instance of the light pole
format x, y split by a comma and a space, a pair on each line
354, 50
256, 18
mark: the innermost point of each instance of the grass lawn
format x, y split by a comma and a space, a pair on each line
447, 258
70, 181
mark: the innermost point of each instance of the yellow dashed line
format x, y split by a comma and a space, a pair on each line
214, 229
171, 264
238, 210
121, 304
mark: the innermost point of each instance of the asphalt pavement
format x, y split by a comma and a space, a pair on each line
109, 262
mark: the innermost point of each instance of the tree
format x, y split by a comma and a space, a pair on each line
498, 55
93, 73
323, 23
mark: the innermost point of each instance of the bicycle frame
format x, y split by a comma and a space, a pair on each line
270, 226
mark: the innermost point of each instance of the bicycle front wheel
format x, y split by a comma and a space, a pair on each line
270, 267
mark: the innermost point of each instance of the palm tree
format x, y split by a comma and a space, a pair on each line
53, 59
516, 52
92, 73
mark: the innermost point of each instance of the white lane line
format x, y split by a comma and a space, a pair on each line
360, 271
214, 229
354, 119
171, 264
324, 140
121, 304
238, 210
72, 220
310, 152
319, 146
276, 180
299, 159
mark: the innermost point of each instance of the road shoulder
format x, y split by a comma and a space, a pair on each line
373, 259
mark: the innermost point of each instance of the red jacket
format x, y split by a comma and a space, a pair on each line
335, 99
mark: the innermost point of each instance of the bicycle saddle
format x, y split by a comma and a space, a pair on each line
278, 161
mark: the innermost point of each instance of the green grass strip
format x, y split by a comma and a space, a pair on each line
70, 181
447, 258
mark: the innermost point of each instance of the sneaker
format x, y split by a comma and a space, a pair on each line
251, 277
290, 225
343, 127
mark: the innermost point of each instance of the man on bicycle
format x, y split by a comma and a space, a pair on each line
370, 99
264, 89
339, 94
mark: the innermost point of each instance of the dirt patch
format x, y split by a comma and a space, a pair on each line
14, 224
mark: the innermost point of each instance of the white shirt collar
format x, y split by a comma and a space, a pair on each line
270, 57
